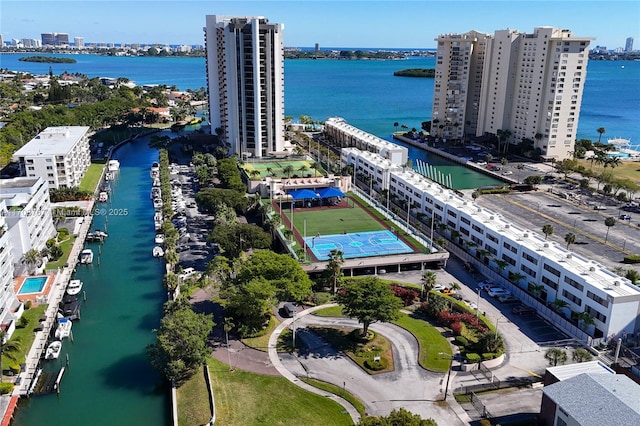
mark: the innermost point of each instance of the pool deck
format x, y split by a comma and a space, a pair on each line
37, 297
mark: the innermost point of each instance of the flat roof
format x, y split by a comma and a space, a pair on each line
18, 182
53, 141
564, 372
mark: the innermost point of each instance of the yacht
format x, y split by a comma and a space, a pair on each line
74, 287
97, 235
113, 165
108, 176
157, 203
70, 307
86, 256
158, 251
155, 170
64, 328
159, 239
103, 197
53, 350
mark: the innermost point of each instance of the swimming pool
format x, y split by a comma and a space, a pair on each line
33, 285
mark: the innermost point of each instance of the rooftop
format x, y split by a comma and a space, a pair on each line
53, 141
598, 399
564, 372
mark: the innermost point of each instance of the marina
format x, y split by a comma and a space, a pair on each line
105, 353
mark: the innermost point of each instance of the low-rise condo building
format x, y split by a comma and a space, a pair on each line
28, 217
59, 155
598, 301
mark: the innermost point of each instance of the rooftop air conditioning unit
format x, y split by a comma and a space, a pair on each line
616, 283
507, 226
491, 217
546, 245
525, 235
569, 256
479, 209
592, 268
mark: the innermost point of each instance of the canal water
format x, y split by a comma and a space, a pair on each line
109, 380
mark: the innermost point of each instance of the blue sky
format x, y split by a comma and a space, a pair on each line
331, 23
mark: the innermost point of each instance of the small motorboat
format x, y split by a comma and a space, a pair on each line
53, 350
64, 328
86, 256
103, 197
71, 307
158, 251
108, 176
97, 235
157, 203
74, 287
106, 187
156, 182
159, 239
113, 166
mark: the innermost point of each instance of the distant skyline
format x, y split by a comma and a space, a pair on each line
330, 23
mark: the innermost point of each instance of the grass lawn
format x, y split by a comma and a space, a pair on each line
329, 221
25, 335
246, 399
333, 311
361, 350
193, 402
90, 180
66, 250
431, 343
261, 342
337, 390
626, 169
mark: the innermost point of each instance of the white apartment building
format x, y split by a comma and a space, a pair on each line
28, 219
531, 86
349, 136
78, 42
10, 308
245, 80
59, 155
612, 301
457, 83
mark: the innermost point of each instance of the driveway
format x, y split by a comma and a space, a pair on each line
409, 386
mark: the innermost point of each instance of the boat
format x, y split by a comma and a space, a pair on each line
97, 235
157, 203
158, 251
103, 197
53, 350
70, 307
74, 287
159, 239
113, 165
86, 256
157, 220
155, 170
106, 187
156, 182
64, 328
108, 176
156, 193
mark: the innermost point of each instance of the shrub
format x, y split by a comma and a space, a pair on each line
461, 341
376, 365
320, 298
472, 358
632, 258
6, 388
456, 328
62, 233
489, 355
22, 322
405, 294
28, 304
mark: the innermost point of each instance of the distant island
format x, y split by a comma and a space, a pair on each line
416, 72
48, 59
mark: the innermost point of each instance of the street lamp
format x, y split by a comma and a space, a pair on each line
446, 388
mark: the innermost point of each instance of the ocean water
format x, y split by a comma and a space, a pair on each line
365, 92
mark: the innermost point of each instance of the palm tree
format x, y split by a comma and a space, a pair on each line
547, 230
632, 275
555, 356
270, 171
601, 131
581, 355
559, 305
8, 349
334, 267
31, 258
288, 170
454, 286
536, 289
429, 279
315, 166
254, 174
569, 238
303, 169
396, 124
609, 222
585, 319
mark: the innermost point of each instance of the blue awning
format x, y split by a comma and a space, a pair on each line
330, 192
303, 194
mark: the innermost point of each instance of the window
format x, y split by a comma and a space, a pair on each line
529, 258
492, 238
528, 271
508, 259
465, 221
570, 296
551, 269
598, 299
549, 283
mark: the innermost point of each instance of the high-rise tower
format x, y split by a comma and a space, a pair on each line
245, 79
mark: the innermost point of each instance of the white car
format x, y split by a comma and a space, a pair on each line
438, 287
498, 292
481, 163
507, 172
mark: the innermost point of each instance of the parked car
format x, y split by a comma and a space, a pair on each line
507, 172
439, 287
448, 291
625, 217
507, 299
498, 292
481, 163
523, 310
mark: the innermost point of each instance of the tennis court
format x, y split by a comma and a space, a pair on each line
360, 244
300, 168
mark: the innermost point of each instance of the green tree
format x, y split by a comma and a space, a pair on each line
287, 170
609, 222
180, 346
398, 417
581, 355
632, 275
31, 259
8, 349
601, 131
369, 300
555, 356
428, 281
547, 230
209, 198
237, 237
249, 303
282, 271
491, 342
569, 238
585, 319
559, 305
333, 270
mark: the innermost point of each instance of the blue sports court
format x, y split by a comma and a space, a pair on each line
361, 244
